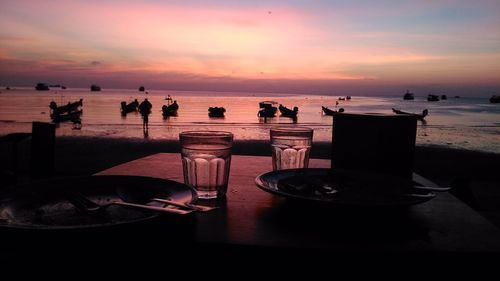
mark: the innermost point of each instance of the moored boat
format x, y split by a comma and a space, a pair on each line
170, 109
70, 116
421, 117
216, 111
495, 99
42, 87
71, 111
130, 107
288, 112
331, 112
432, 97
95, 88
68, 108
267, 109
408, 96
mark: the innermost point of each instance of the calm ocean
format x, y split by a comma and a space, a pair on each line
464, 123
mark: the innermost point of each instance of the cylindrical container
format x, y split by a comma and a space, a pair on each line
206, 159
291, 147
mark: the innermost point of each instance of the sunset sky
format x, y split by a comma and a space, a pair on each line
364, 47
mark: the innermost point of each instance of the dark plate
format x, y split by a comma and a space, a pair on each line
43, 204
342, 187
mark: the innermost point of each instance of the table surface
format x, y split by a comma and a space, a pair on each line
252, 217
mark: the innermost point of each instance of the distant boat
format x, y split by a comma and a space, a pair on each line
72, 116
95, 88
421, 117
288, 112
42, 87
431, 97
267, 109
348, 98
408, 96
495, 99
71, 106
216, 111
127, 108
444, 97
141, 89
170, 109
331, 112
71, 111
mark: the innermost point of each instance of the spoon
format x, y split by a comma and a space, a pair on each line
86, 205
185, 205
428, 188
137, 196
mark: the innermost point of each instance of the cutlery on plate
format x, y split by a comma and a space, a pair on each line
86, 205
415, 195
185, 205
428, 188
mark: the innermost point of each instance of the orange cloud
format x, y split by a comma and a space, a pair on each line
195, 41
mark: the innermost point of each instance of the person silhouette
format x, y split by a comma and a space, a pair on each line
145, 110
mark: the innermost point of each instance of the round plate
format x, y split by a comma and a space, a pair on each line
342, 187
43, 204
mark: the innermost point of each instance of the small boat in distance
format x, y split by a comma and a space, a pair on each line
432, 97
288, 112
71, 111
72, 116
95, 88
267, 109
495, 99
170, 109
216, 111
420, 117
444, 97
71, 106
408, 96
331, 112
141, 89
127, 108
42, 87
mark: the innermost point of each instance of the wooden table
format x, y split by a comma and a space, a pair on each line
250, 218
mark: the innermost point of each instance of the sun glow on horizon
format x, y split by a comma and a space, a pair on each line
255, 41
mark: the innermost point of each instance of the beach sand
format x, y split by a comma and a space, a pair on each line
473, 175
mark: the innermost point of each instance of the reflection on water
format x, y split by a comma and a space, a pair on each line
471, 123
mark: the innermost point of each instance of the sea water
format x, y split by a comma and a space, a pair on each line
471, 123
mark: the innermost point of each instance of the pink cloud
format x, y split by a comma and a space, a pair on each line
201, 43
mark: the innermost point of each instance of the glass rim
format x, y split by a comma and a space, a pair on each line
296, 129
201, 134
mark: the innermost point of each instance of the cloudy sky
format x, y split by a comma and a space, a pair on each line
377, 46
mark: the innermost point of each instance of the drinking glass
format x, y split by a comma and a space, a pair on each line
206, 159
291, 147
